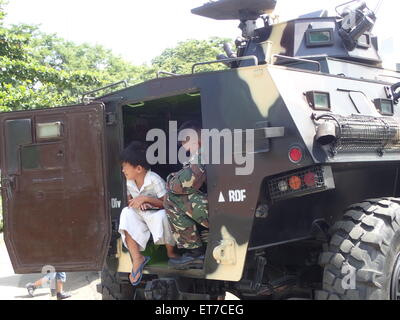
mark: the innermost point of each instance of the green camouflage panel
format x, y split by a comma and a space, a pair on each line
186, 205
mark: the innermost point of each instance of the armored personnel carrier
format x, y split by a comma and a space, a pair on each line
317, 218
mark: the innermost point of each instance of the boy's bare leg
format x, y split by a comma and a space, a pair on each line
31, 287
39, 283
170, 252
137, 257
60, 286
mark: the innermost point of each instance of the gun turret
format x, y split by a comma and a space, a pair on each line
357, 20
315, 36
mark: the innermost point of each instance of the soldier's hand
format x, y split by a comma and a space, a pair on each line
145, 206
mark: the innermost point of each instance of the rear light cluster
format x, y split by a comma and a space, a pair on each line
299, 183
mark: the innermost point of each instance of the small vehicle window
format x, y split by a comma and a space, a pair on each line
364, 41
43, 156
319, 100
50, 130
30, 157
384, 106
18, 132
319, 37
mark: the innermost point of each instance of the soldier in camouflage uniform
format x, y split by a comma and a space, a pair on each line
185, 204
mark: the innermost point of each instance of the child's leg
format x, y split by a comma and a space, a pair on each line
60, 286
160, 229
61, 278
39, 283
135, 235
46, 280
137, 257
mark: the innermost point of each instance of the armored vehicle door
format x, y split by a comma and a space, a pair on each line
54, 188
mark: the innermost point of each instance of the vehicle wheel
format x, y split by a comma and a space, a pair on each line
363, 258
113, 289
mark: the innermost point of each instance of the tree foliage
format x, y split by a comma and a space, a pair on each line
39, 70
181, 58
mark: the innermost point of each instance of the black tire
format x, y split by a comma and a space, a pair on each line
366, 241
112, 288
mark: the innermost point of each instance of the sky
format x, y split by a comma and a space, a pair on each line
140, 30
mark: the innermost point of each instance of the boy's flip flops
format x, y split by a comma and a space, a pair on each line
139, 271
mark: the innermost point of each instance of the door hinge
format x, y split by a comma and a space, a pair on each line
8, 184
111, 118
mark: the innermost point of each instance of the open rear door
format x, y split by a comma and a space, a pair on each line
53, 179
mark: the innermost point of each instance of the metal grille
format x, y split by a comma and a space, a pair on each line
276, 194
367, 134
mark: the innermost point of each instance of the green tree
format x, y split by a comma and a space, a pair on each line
60, 54
181, 58
25, 82
39, 70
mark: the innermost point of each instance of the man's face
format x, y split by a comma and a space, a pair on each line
192, 142
131, 172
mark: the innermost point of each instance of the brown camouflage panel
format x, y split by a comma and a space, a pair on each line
186, 206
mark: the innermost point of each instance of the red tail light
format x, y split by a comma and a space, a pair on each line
310, 179
295, 154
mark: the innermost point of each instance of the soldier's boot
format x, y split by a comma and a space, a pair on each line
197, 253
192, 259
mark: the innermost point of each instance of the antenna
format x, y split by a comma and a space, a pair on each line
342, 5
378, 6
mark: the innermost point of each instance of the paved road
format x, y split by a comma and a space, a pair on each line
82, 285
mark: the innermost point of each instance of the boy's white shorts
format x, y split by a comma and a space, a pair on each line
140, 224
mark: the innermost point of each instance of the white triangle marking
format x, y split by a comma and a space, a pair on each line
221, 198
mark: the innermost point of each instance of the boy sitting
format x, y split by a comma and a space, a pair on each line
145, 214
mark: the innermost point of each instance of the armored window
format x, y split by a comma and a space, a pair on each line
384, 106
319, 37
18, 132
43, 156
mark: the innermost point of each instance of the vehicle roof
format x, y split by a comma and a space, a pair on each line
236, 9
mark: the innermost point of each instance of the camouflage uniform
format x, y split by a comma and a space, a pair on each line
186, 205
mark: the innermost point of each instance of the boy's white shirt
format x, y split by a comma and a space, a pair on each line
141, 224
153, 186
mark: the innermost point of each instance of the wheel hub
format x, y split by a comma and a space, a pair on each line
395, 292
